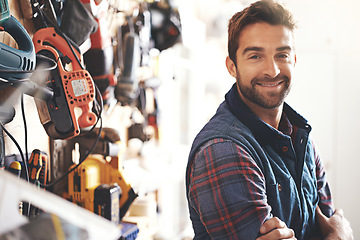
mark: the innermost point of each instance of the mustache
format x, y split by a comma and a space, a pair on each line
266, 79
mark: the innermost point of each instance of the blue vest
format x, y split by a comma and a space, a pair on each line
287, 164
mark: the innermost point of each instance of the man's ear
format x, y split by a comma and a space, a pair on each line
231, 67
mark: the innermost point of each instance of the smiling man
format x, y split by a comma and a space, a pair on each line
253, 170
266, 60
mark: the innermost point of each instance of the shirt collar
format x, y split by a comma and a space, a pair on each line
285, 126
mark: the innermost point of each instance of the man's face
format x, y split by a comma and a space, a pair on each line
265, 62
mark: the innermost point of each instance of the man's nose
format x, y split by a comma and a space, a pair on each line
271, 68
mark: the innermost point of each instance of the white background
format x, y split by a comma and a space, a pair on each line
325, 91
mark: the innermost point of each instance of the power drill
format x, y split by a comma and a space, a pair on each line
99, 58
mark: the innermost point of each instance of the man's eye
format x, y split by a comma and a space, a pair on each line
254, 57
283, 55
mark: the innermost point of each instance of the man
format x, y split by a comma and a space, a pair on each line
253, 170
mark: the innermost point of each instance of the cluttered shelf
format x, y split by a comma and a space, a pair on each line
89, 70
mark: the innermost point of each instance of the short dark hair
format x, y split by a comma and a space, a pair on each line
267, 11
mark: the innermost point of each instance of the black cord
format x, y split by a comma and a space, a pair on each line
25, 128
26, 143
19, 148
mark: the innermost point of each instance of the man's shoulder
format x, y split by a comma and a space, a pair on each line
225, 126
221, 125
222, 122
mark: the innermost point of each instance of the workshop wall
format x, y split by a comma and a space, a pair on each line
149, 166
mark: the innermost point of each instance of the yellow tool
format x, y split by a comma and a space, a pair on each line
92, 173
15, 168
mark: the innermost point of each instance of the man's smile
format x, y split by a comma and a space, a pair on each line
272, 84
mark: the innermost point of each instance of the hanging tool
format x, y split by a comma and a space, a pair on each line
15, 64
72, 89
35, 165
99, 58
34, 168
95, 171
77, 22
18, 64
165, 25
127, 88
45, 170
4, 11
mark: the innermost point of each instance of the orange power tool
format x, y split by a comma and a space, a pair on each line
73, 87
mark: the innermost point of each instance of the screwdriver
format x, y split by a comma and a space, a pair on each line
35, 164
43, 176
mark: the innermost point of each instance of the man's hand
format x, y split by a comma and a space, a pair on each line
335, 227
274, 228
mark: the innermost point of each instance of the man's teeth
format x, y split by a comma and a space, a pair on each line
269, 85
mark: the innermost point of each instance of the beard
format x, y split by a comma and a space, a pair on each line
267, 100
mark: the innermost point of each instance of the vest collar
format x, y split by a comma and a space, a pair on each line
261, 130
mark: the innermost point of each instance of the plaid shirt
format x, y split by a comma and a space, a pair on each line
227, 188
221, 214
